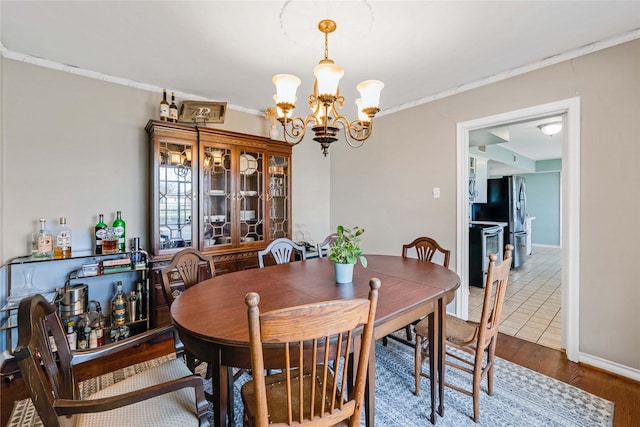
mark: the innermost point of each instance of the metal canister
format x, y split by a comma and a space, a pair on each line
73, 299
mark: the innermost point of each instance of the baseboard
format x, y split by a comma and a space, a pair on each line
609, 366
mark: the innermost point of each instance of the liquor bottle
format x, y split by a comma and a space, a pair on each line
140, 312
93, 338
173, 109
99, 231
83, 342
164, 107
72, 336
132, 308
119, 227
100, 330
119, 307
62, 247
42, 242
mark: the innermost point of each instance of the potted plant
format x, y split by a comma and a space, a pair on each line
345, 253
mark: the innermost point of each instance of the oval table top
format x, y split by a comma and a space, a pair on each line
214, 311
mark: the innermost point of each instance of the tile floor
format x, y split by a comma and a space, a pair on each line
531, 309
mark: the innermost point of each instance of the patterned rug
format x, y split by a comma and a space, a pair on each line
521, 397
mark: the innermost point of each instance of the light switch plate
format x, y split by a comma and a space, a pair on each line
436, 192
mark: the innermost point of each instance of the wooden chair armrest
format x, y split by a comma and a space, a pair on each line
113, 348
70, 407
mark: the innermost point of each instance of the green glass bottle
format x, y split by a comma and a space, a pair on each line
99, 233
120, 228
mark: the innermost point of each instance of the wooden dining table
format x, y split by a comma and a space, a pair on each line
211, 317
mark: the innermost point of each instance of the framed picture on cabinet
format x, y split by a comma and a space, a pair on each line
202, 112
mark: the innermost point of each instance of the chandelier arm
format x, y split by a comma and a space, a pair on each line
294, 129
356, 132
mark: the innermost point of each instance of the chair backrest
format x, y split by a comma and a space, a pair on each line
495, 288
45, 379
189, 265
426, 248
326, 332
281, 250
326, 244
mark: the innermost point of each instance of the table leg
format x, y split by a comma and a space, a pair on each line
220, 385
434, 360
231, 398
441, 314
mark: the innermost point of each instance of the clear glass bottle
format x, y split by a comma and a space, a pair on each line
93, 338
164, 107
62, 247
118, 307
99, 230
72, 336
42, 242
120, 229
173, 109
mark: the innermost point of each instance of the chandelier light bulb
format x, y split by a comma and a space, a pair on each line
286, 87
370, 93
328, 76
361, 114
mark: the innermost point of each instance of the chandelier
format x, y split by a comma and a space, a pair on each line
325, 103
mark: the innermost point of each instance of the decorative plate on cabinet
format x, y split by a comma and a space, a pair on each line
248, 164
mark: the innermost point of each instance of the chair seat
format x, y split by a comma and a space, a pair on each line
172, 409
458, 330
276, 385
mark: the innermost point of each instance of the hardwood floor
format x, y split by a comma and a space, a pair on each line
623, 392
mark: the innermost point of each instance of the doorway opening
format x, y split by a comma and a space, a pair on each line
569, 109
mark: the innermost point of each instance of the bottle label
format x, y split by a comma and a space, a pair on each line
100, 233
63, 239
119, 311
45, 244
164, 110
173, 114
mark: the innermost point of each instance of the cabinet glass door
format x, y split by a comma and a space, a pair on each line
250, 197
217, 196
278, 198
176, 198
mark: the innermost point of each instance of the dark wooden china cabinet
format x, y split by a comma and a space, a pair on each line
224, 193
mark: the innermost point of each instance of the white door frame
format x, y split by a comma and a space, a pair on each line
570, 210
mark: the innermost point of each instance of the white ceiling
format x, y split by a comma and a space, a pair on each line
229, 50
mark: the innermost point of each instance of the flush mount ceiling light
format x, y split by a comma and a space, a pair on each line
551, 128
325, 102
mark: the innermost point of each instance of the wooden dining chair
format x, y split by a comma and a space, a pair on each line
187, 267
164, 395
326, 244
472, 338
425, 249
312, 341
281, 250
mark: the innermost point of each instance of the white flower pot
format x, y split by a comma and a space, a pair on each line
344, 273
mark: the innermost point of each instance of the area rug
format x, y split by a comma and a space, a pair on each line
521, 397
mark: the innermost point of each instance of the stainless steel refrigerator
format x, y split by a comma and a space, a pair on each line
507, 202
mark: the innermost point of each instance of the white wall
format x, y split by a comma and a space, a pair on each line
386, 186
74, 146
